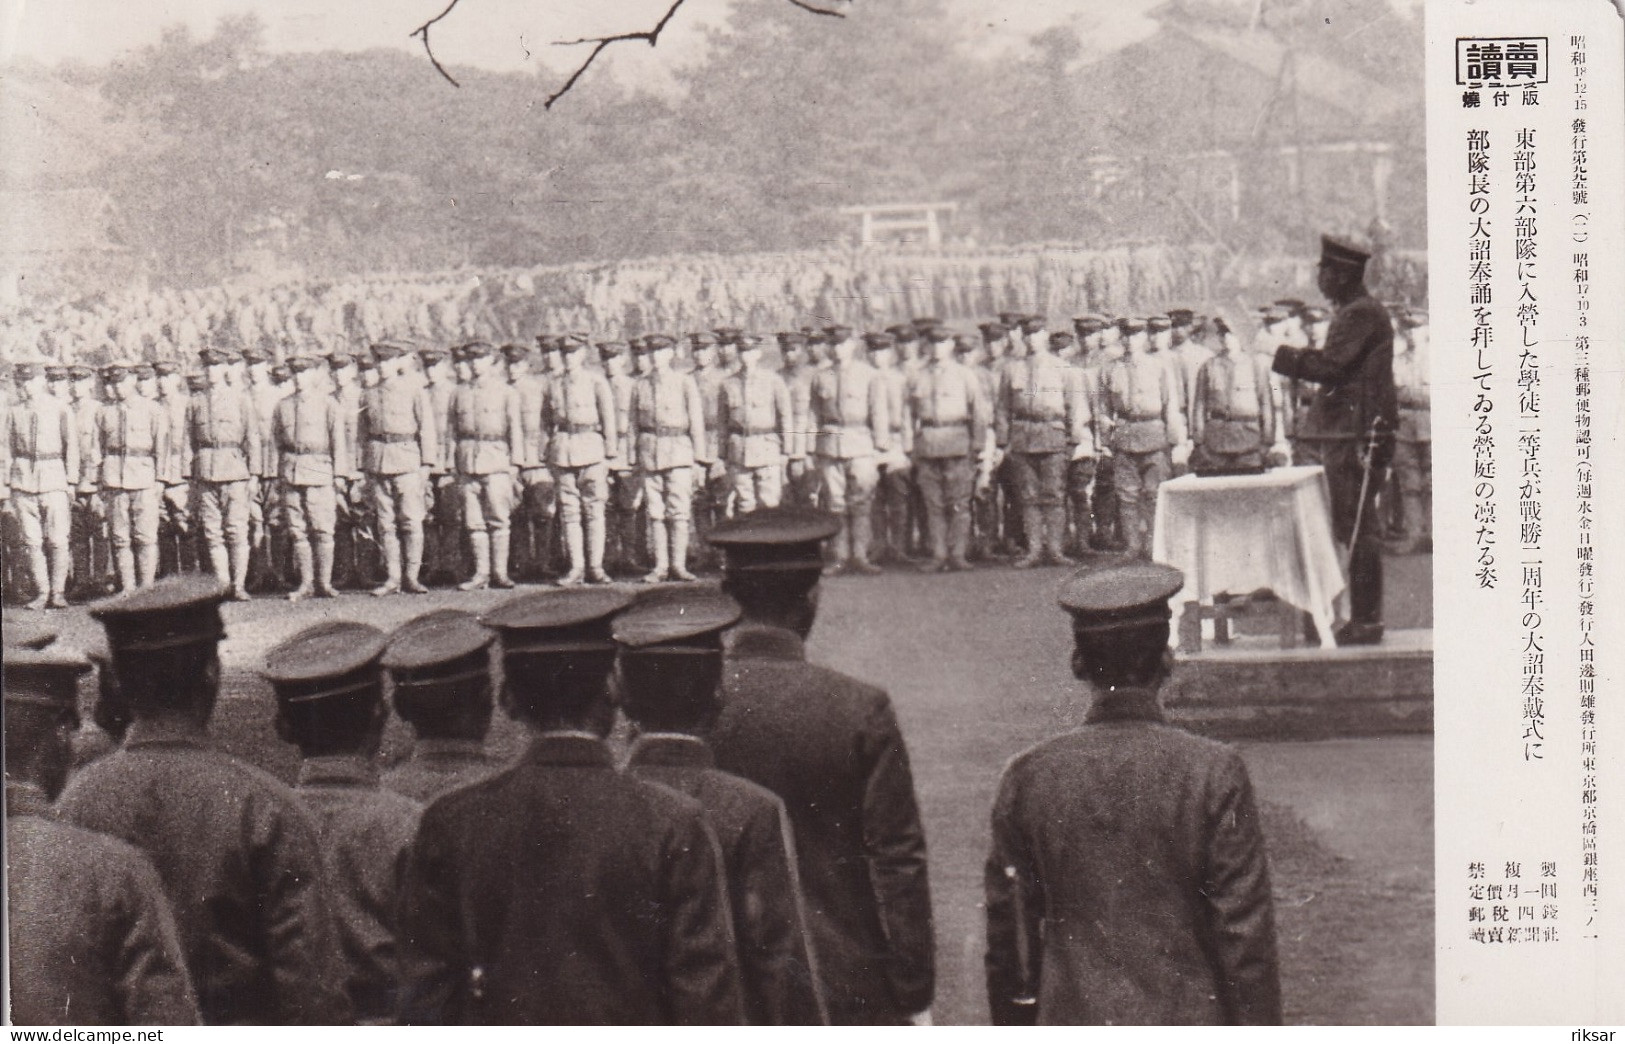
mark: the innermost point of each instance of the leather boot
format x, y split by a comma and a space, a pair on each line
390, 545
500, 543
1083, 536
1055, 537
959, 539
124, 564
146, 565
220, 563
480, 543
861, 534
304, 561
657, 546
324, 567
39, 573
679, 552
239, 571
937, 525
595, 549
1032, 522
59, 561
575, 543
413, 565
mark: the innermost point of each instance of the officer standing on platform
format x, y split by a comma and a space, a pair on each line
130, 435
581, 421
1128, 882
849, 404
399, 450
951, 415
330, 704
1349, 425
668, 441
563, 891
755, 419
309, 430
92, 939
830, 747
1232, 420
1043, 422
1145, 423
41, 470
669, 673
489, 439
225, 433
237, 852
439, 667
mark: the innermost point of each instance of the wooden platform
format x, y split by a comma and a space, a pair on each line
1255, 689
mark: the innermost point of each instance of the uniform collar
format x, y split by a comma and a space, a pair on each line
26, 799
1125, 704
172, 732
430, 747
338, 770
570, 749
754, 641
671, 749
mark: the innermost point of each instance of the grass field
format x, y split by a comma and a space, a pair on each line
977, 666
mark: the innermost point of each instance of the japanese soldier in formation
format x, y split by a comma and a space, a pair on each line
951, 415
130, 436
755, 417
582, 424
669, 440
1232, 416
400, 447
849, 404
1127, 883
310, 433
563, 891
237, 853
488, 436
41, 470
1140, 398
669, 673
895, 491
91, 937
225, 433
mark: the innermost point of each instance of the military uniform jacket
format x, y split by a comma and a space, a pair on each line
564, 892
1127, 882
1232, 387
1354, 372
42, 446
439, 766
1142, 404
398, 432
899, 424
241, 865
756, 419
92, 939
802, 428
365, 832
950, 411
531, 389
311, 437
1042, 407
829, 747
265, 397
128, 440
764, 887
849, 404
224, 429
486, 431
176, 463
668, 422
580, 418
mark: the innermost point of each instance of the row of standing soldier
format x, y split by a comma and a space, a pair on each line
760, 859
409, 465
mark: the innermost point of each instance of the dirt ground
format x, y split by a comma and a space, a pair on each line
977, 666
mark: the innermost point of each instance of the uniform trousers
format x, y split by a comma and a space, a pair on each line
669, 494
1080, 479
946, 484
46, 519
487, 502
399, 503
311, 511
1040, 479
583, 491
1344, 476
222, 511
133, 514
1137, 477
849, 485
757, 487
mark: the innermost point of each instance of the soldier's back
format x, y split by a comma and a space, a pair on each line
437, 767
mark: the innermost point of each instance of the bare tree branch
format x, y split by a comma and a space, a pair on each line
423, 32
815, 9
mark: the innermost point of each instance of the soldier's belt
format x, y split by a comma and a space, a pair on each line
752, 432
219, 445
36, 458
588, 429
945, 424
501, 440
1059, 422
393, 437
1140, 420
1240, 417
665, 431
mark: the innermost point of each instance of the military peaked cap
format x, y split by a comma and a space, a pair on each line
331, 659
1342, 254
775, 539
562, 620
174, 612
44, 677
439, 655
680, 620
1120, 596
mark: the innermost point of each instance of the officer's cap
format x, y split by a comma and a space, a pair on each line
1060, 339
1181, 316
24, 372
962, 345
725, 334
560, 620
837, 332
171, 613
1120, 596
1220, 324
1011, 320
1338, 253
1315, 314
676, 621
925, 322
472, 350
878, 341
114, 374
515, 352
384, 351
331, 659
611, 349
1088, 324
792, 339
165, 368
702, 339
81, 373
992, 331
301, 363
1131, 324
430, 356
781, 539
655, 342
44, 677
340, 359
56, 373
437, 654
254, 355
1031, 324
214, 357
546, 342
937, 334
1158, 323
24, 633
904, 332
143, 372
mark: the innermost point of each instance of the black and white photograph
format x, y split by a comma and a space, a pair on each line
714, 512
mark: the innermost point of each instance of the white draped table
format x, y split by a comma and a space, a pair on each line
1237, 534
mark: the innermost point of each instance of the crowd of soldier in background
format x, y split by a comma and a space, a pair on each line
577, 459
